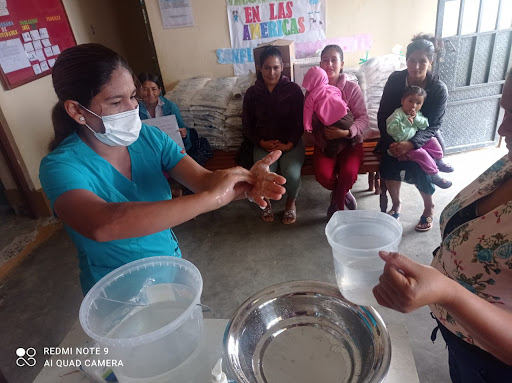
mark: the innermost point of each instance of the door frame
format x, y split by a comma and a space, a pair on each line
13, 161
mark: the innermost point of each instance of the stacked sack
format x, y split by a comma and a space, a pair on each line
213, 107
376, 72
183, 94
233, 126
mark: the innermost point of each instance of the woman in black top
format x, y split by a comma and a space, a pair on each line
420, 55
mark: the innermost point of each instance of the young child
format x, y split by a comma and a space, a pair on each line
403, 124
325, 101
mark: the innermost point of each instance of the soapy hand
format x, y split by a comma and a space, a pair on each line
265, 183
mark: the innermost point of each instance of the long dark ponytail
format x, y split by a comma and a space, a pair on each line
79, 74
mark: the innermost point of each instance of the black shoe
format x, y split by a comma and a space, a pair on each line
440, 181
444, 167
350, 201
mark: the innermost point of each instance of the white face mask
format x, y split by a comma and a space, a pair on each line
121, 129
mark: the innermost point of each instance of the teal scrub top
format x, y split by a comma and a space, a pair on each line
74, 165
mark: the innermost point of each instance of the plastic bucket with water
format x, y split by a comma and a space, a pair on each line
147, 315
356, 237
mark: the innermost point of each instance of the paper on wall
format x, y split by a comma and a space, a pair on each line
40, 55
28, 47
26, 37
37, 45
32, 56
168, 125
44, 66
48, 52
3, 8
51, 62
43, 32
13, 56
37, 68
176, 13
35, 34
46, 43
56, 50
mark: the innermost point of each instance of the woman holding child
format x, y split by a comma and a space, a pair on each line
469, 283
397, 156
338, 172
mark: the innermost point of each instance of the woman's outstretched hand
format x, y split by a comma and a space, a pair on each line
406, 285
266, 184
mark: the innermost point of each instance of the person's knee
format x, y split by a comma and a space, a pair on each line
326, 180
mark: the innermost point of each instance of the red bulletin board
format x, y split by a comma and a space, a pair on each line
32, 34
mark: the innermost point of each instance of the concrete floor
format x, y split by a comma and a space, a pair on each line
238, 255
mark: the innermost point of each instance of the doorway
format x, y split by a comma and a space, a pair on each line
477, 37
137, 39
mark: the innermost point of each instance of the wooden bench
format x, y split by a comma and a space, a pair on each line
371, 161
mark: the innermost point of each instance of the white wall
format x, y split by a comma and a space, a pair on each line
26, 110
188, 52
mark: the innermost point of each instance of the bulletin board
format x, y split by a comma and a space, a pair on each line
32, 35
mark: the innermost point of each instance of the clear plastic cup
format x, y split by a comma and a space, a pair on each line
356, 237
147, 315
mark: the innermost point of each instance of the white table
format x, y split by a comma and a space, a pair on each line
402, 368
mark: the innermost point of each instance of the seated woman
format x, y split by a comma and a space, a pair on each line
272, 120
469, 286
103, 175
152, 104
339, 173
420, 55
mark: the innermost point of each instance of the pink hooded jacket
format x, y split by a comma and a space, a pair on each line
352, 95
323, 99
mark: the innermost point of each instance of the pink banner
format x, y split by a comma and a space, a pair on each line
348, 44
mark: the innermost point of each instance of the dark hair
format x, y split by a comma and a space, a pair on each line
335, 47
79, 74
147, 76
270, 51
410, 90
426, 43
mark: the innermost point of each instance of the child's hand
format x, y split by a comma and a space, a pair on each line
411, 119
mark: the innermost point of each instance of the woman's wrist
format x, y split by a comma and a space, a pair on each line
451, 292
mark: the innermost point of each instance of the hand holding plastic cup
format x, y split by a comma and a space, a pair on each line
356, 237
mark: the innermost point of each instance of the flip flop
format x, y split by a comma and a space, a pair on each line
291, 215
267, 215
394, 214
424, 221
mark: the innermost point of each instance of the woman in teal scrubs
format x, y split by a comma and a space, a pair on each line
103, 175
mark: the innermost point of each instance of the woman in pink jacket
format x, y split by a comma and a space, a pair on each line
339, 173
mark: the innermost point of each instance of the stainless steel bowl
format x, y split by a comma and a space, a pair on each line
305, 331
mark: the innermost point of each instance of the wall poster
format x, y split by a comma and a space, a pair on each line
252, 22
